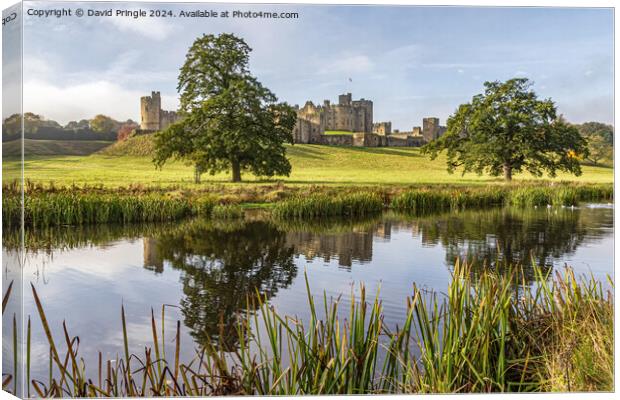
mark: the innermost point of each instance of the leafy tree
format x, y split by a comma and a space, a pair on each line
75, 125
229, 120
507, 129
102, 123
599, 149
588, 129
11, 127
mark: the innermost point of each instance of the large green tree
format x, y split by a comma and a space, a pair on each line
229, 120
507, 129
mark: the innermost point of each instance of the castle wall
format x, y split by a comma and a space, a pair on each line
368, 140
404, 140
337, 140
166, 118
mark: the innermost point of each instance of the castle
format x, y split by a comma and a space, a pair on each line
348, 123
153, 118
355, 116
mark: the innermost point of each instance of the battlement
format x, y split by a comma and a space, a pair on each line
152, 117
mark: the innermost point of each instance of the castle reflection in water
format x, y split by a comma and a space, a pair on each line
347, 248
509, 235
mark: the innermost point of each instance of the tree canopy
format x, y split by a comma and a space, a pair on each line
507, 129
229, 120
605, 131
102, 124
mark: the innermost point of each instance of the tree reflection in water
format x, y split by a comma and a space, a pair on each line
224, 267
497, 237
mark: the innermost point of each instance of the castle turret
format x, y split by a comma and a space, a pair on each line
150, 108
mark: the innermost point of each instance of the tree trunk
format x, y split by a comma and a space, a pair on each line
507, 172
236, 171
197, 174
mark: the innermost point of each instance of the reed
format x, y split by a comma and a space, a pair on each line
47, 205
321, 205
427, 200
558, 195
227, 212
490, 332
50, 209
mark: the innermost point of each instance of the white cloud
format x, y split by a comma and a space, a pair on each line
152, 28
350, 64
588, 72
85, 100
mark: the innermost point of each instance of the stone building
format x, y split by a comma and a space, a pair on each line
355, 119
382, 128
348, 115
310, 124
153, 118
431, 129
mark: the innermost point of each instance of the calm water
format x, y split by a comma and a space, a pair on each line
204, 270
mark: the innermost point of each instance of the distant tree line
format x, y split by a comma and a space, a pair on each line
36, 127
600, 139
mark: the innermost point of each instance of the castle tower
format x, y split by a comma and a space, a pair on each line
150, 111
344, 99
364, 117
430, 128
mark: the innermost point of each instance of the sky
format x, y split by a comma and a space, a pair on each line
412, 62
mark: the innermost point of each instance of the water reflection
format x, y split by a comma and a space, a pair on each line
221, 265
224, 269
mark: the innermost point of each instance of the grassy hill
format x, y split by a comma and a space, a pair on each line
135, 146
130, 162
53, 147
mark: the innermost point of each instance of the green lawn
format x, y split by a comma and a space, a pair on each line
312, 164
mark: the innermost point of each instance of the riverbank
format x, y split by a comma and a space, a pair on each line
48, 205
556, 335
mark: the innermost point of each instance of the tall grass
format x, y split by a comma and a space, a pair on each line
50, 205
227, 212
488, 333
48, 209
426, 200
559, 195
322, 205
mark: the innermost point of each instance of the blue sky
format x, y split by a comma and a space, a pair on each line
411, 61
